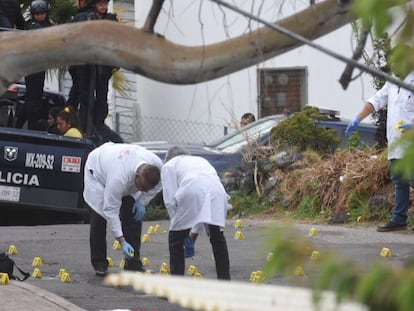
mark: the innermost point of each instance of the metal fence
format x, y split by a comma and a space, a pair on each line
149, 128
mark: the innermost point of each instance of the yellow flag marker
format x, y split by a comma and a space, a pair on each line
313, 231
257, 277
198, 275
110, 261
37, 261
146, 262
315, 255
164, 269
37, 273
12, 250
122, 263
66, 278
158, 228
269, 257
146, 239
192, 270
116, 245
61, 272
151, 230
238, 223
4, 279
385, 252
299, 271
239, 235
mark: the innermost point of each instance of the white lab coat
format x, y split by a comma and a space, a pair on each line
109, 175
400, 104
193, 193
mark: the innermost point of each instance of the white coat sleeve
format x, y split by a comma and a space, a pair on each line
380, 99
112, 204
170, 185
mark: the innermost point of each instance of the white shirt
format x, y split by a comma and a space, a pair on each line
400, 104
109, 175
193, 193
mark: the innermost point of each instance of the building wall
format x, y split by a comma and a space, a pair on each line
224, 100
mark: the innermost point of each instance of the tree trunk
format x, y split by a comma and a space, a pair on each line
105, 42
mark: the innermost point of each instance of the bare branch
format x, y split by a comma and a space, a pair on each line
346, 76
153, 15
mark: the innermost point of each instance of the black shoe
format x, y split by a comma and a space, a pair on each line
134, 265
101, 271
391, 226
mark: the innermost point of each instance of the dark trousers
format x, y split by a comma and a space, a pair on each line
93, 93
132, 234
34, 92
218, 244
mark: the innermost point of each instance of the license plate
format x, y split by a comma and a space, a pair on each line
11, 194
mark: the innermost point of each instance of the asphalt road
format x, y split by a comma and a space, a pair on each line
67, 246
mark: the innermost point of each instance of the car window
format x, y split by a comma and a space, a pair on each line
249, 134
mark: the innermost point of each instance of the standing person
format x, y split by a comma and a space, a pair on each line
120, 180
93, 79
68, 123
400, 116
195, 199
73, 96
246, 119
11, 15
51, 120
35, 82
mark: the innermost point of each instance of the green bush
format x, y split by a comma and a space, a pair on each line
299, 131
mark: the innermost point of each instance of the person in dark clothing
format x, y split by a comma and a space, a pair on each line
10, 9
52, 120
93, 81
73, 96
39, 10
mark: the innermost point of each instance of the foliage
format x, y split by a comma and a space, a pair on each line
338, 183
246, 204
300, 131
381, 288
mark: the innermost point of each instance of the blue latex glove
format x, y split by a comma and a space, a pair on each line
138, 210
127, 250
188, 247
406, 126
352, 126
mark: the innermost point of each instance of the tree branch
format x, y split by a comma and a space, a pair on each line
153, 15
109, 43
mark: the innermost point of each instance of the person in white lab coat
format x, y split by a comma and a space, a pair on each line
120, 180
400, 117
195, 199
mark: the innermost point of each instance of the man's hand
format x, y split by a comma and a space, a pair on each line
138, 210
127, 250
352, 126
406, 126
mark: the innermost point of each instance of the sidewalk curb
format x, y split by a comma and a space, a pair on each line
18, 294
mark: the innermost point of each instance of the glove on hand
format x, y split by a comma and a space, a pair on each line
352, 126
138, 210
406, 126
127, 250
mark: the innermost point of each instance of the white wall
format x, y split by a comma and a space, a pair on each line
195, 22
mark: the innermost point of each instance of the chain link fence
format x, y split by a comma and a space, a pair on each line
149, 128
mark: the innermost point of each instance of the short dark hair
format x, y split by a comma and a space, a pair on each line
174, 152
151, 174
249, 115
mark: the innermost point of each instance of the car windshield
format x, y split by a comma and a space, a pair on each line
251, 133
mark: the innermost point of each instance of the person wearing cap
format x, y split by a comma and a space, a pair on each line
196, 201
39, 11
